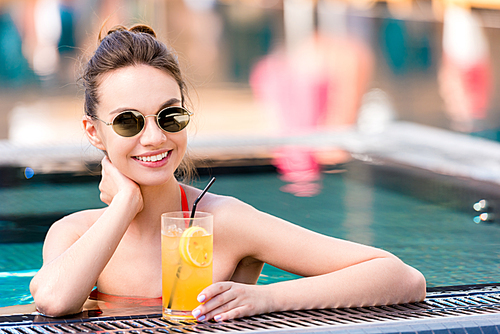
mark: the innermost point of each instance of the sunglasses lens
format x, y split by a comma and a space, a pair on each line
173, 119
128, 124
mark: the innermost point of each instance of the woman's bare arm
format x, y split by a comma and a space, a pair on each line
68, 275
337, 273
73, 258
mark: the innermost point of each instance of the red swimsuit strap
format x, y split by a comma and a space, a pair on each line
184, 200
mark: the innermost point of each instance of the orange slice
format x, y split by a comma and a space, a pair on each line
196, 247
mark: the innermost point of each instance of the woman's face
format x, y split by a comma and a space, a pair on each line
148, 90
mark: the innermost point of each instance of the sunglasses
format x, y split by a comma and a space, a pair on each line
130, 123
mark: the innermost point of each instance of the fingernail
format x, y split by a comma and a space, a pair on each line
217, 317
201, 298
196, 313
201, 318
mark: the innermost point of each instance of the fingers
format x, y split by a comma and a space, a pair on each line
114, 182
105, 198
214, 294
223, 301
220, 314
211, 297
105, 160
108, 186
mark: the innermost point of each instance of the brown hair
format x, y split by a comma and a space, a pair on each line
122, 47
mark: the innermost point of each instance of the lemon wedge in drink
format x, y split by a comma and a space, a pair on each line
196, 247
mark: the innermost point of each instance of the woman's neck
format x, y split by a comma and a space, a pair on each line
157, 200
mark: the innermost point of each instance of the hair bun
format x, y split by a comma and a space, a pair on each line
143, 28
110, 31
138, 28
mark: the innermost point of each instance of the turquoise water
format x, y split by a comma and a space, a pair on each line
445, 245
18, 264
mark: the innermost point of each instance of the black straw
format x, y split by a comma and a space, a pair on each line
199, 197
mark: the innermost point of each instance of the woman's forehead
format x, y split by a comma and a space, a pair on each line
138, 87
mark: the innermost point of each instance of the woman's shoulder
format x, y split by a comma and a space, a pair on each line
77, 222
215, 203
232, 216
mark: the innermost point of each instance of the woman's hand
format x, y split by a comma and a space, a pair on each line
114, 182
229, 300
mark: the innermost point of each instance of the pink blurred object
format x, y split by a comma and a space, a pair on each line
299, 96
316, 86
298, 92
297, 165
466, 90
465, 77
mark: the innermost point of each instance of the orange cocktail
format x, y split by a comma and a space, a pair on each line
187, 253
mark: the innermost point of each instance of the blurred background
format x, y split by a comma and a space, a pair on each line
429, 62
394, 96
263, 67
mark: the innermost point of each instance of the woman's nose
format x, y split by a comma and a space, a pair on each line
152, 134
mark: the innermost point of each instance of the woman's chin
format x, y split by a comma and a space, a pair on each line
152, 181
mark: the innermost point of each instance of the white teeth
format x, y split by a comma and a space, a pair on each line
153, 158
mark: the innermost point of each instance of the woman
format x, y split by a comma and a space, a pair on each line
117, 248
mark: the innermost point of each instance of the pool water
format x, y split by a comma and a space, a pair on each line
18, 264
444, 244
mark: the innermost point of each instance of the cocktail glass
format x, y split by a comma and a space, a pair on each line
187, 253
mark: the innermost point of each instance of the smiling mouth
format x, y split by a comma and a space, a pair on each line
153, 158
